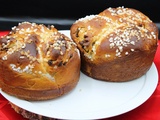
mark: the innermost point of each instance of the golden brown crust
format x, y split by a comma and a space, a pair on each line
118, 44
38, 62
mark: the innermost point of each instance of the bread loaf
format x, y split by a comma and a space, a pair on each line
29, 115
118, 44
38, 62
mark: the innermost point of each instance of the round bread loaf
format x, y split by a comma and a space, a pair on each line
29, 115
38, 62
118, 44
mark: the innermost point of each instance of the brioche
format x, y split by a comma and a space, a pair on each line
38, 62
118, 44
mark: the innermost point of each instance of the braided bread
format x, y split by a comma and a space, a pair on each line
118, 44
38, 62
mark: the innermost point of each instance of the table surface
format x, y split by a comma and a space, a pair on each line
149, 110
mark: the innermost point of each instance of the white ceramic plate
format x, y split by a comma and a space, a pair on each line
93, 99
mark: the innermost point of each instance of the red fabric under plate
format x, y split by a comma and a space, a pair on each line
150, 110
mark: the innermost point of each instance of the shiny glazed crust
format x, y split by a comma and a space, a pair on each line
38, 62
118, 44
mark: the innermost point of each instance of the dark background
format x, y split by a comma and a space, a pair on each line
62, 13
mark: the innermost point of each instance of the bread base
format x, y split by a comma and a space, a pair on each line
32, 95
119, 70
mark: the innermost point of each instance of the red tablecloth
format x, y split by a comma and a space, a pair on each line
149, 110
